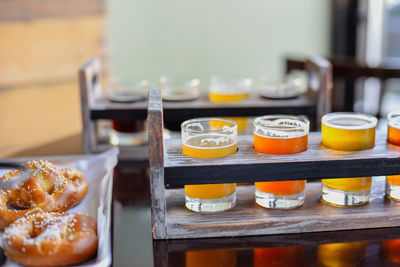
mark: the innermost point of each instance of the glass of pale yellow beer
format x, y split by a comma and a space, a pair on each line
347, 131
393, 137
209, 138
280, 135
224, 91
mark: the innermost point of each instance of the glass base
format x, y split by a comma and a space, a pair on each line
127, 139
392, 191
211, 205
344, 198
271, 201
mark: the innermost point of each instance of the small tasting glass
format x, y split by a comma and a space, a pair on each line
347, 131
128, 132
209, 138
393, 181
280, 135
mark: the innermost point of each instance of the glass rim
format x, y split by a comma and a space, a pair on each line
391, 116
279, 116
370, 120
187, 122
304, 127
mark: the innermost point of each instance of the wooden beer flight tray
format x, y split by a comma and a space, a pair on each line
95, 106
169, 167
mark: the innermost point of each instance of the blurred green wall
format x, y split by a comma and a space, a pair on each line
149, 38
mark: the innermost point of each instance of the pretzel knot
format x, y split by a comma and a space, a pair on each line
51, 239
48, 188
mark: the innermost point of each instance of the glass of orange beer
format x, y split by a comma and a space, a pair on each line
347, 131
393, 181
280, 135
209, 138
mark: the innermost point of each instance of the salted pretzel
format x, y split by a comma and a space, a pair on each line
78, 179
48, 188
51, 239
9, 215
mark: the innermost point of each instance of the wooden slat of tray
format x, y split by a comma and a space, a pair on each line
253, 101
254, 106
247, 218
105, 109
304, 239
249, 166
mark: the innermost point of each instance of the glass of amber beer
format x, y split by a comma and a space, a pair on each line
347, 131
393, 181
209, 138
280, 135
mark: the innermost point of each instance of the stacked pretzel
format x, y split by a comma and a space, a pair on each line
37, 231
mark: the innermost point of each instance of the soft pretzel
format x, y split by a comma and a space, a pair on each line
78, 179
51, 239
47, 188
9, 215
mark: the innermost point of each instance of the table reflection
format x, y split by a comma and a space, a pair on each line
341, 254
391, 250
211, 258
279, 256
133, 245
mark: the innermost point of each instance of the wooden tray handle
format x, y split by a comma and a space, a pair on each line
156, 162
90, 87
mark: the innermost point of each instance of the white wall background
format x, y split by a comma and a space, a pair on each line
200, 38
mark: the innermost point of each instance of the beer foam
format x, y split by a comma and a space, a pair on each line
227, 129
281, 128
196, 126
349, 121
207, 141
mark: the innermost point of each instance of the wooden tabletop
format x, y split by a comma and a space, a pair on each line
133, 242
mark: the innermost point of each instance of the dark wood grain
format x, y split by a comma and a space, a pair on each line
248, 165
103, 108
156, 162
248, 219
